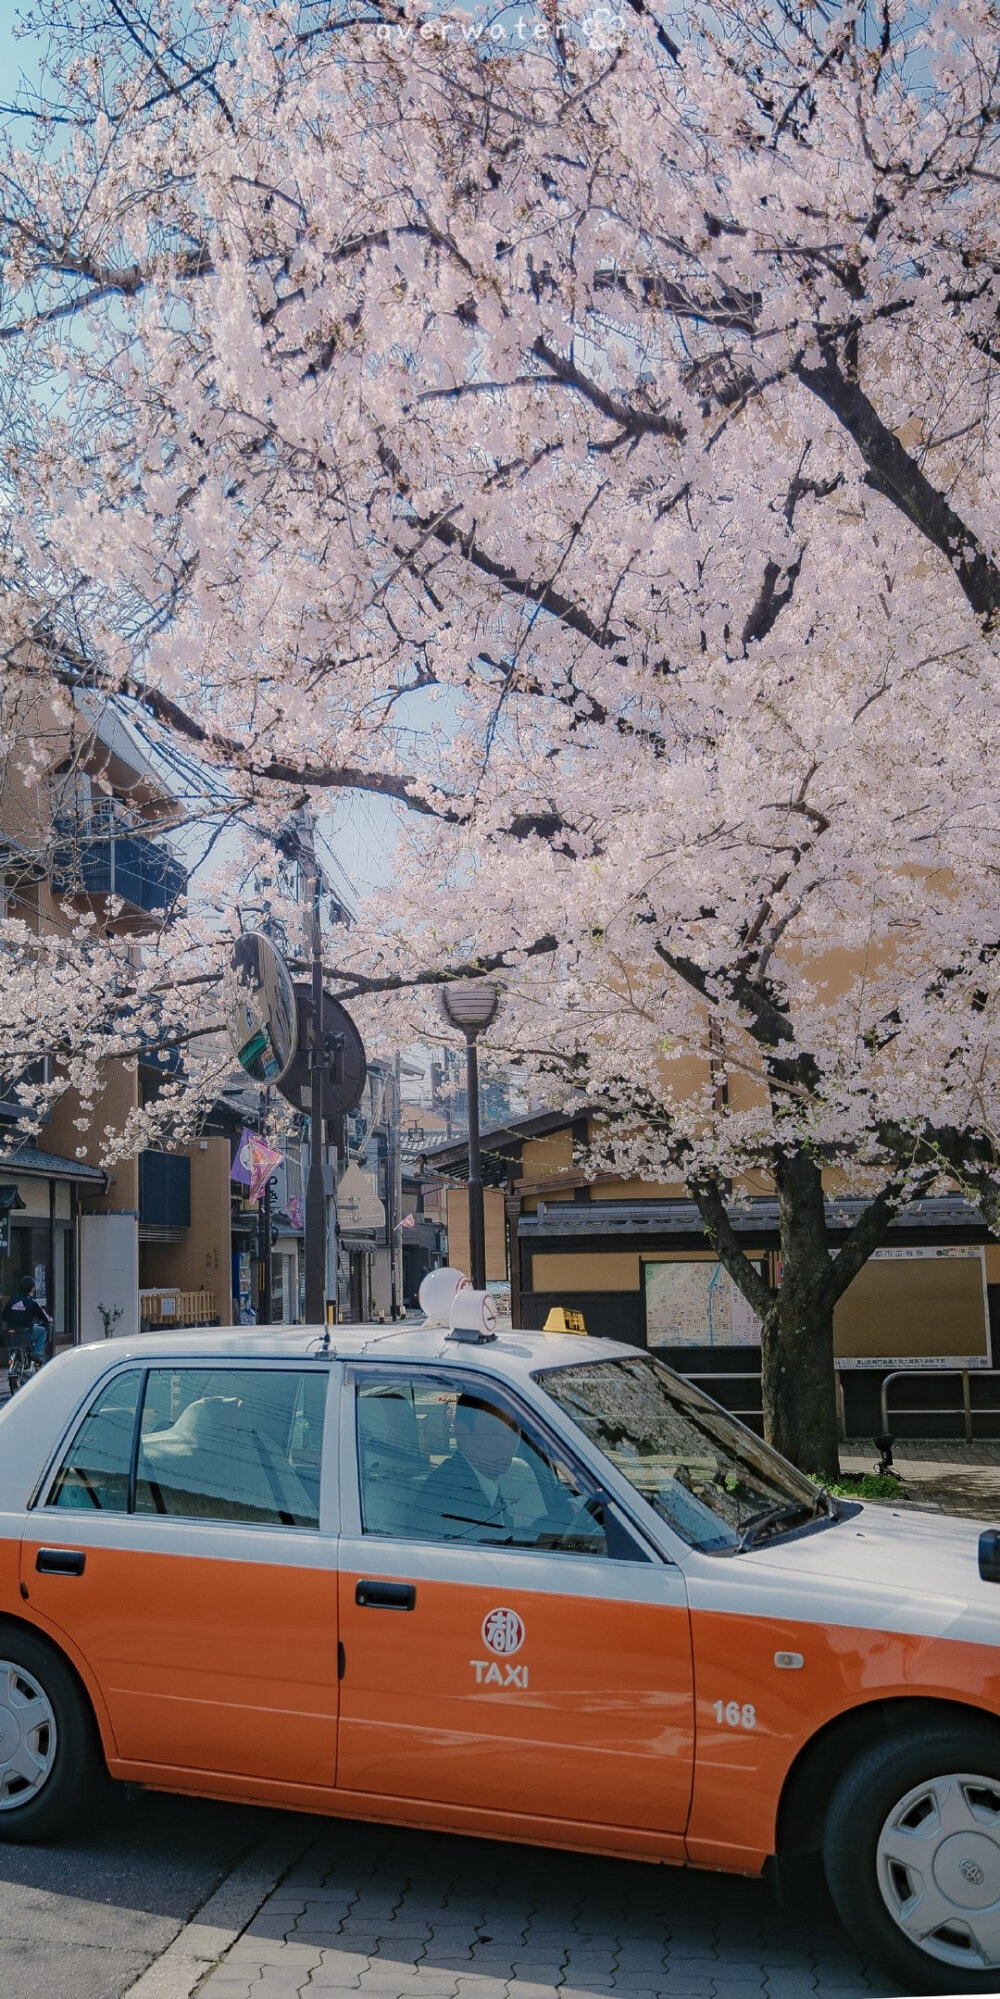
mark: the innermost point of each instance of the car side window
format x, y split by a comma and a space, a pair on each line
447, 1460
232, 1444
94, 1473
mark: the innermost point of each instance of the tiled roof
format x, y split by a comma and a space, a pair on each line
750, 1218
30, 1159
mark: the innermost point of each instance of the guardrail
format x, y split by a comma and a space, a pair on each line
966, 1411
171, 1307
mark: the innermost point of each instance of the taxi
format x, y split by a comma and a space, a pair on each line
503, 1584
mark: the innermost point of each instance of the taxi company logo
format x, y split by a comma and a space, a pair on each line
503, 1632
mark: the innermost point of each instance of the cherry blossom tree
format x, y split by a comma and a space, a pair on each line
579, 429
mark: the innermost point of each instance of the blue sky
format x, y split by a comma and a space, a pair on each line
16, 56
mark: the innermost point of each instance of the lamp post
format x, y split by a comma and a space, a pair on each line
471, 1005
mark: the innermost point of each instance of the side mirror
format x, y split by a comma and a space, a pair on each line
989, 1555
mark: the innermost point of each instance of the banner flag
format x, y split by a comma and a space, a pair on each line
254, 1163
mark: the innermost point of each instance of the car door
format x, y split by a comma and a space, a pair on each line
183, 1544
505, 1648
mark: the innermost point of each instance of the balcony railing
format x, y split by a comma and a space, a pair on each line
105, 854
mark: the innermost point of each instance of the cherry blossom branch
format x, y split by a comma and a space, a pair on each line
730, 1251
894, 473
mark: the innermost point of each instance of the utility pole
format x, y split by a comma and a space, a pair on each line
477, 1218
315, 1216
265, 1307
396, 1209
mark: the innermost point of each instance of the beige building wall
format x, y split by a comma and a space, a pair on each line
542, 1157
640, 1190
586, 1270
609, 1270
119, 1096
496, 1233
202, 1260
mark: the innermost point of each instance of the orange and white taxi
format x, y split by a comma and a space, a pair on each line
525, 1587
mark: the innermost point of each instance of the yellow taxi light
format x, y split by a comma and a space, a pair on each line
562, 1320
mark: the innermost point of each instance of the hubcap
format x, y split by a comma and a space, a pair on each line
27, 1736
939, 1869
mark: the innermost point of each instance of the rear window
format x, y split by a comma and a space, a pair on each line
94, 1474
201, 1443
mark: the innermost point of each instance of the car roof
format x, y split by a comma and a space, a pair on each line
511, 1352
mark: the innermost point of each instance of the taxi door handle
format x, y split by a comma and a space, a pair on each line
386, 1596
60, 1561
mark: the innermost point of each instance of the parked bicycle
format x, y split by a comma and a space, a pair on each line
27, 1327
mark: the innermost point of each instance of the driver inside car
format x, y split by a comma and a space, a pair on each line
482, 1491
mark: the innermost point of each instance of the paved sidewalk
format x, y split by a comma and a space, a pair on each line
955, 1476
406, 1915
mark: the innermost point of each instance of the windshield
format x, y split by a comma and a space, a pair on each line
711, 1479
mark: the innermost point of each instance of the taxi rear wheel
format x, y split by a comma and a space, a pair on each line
49, 1755
912, 1856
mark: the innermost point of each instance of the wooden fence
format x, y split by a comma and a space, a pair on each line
170, 1307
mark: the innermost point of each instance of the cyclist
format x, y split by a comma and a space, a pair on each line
27, 1327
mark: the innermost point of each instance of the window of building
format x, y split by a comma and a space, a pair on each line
449, 1460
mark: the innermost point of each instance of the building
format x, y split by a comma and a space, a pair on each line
87, 806
633, 1259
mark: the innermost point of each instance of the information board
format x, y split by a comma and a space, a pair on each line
915, 1308
696, 1305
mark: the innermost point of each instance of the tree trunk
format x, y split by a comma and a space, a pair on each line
798, 1388
798, 1385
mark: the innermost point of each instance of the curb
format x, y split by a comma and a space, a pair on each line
222, 1918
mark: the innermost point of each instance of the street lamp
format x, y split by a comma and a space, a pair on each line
472, 1005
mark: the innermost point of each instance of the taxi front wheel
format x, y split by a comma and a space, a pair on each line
49, 1755
912, 1856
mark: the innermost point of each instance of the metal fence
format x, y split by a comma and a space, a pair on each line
966, 1410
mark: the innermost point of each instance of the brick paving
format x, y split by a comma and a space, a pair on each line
952, 1476
404, 1915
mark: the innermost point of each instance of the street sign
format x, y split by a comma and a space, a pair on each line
346, 1063
261, 1010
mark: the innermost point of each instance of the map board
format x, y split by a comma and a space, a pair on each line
696, 1305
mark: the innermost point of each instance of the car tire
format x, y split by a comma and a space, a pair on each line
912, 1855
50, 1755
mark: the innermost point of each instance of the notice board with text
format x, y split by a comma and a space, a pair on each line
915, 1308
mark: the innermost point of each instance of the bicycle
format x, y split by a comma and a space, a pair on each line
21, 1363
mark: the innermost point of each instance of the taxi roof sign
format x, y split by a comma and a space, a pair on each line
562, 1320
